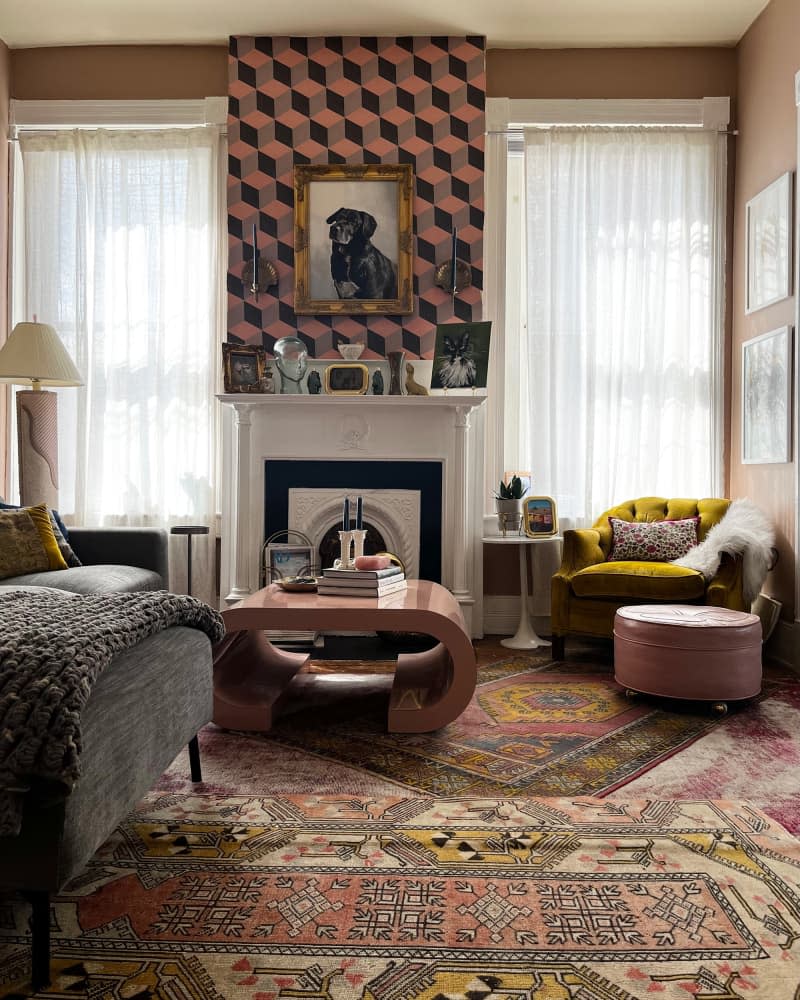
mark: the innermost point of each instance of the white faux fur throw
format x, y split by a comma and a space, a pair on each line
744, 530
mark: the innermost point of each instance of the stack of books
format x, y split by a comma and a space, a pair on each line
362, 582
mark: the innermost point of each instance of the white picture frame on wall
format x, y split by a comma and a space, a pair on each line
768, 266
766, 398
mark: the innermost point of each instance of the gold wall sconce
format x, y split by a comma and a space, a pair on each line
454, 275
259, 274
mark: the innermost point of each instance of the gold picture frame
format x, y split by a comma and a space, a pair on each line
243, 368
353, 239
346, 380
540, 517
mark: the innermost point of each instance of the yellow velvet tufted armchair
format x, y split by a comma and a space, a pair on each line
587, 590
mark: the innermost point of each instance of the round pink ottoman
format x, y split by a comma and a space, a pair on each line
688, 651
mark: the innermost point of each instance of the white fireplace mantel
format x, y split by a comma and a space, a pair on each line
444, 428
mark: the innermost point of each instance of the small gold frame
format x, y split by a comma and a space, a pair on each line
308, 230
340, 380
243, 368
540, 517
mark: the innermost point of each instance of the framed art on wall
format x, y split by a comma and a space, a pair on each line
353, 239
766, 398
461, 355
769, 245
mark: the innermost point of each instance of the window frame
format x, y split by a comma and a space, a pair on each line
506, 117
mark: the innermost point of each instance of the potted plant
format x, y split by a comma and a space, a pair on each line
508, 501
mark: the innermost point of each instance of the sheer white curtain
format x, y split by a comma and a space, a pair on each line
121, 233
619, 343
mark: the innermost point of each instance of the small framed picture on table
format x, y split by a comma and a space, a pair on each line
285, 561
540, 517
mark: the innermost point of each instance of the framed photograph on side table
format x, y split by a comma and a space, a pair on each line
540, 518
766, 398
768, 266
353, 238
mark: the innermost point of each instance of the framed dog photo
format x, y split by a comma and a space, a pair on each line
353, 239
541, 519
243, 368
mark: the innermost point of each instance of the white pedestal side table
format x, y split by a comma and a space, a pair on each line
525, 637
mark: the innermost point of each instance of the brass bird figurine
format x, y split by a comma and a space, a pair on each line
413, 388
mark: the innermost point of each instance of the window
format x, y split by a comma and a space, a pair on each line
119, 249
612, 311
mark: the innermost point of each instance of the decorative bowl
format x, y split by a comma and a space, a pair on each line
351, 352
297, 583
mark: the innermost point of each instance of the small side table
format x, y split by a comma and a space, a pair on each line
525, 637
189, 530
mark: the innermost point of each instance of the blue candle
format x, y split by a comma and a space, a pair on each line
453, 261
359, 513
346, 515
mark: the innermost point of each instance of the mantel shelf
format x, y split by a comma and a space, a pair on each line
451, 400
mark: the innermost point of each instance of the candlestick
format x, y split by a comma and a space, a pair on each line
255, 261
346, 515
453, 261
359, 514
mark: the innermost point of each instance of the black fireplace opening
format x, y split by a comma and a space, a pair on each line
281, 475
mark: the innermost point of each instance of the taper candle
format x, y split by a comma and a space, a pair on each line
255, 257
359, 513
346, 515
453, 261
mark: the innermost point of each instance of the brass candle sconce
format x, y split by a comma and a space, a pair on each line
258, 274
454, 275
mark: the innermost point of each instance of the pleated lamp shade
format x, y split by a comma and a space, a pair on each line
34, 354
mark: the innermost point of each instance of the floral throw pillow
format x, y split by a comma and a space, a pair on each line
652, 541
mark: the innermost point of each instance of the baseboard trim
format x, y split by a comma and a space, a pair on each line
784, 645
501, 616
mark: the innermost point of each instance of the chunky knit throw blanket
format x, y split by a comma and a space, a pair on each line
53, 647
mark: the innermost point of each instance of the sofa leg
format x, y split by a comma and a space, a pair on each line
558, 647
194, 759
40, 938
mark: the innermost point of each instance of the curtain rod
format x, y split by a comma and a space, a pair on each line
551, 125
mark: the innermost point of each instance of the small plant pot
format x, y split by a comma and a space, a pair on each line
509, 515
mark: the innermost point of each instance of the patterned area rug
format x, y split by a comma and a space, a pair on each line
533, 728
392, 898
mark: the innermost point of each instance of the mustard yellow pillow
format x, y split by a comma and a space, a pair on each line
40, 516
27, 542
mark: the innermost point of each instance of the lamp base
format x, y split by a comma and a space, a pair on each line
37, 443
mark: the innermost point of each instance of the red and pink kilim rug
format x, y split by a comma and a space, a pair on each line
533, 728
341, 897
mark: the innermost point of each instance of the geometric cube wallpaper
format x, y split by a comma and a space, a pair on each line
355, 100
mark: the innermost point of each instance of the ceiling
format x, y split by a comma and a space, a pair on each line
505, 23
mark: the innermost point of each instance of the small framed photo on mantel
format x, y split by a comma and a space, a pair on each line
243, 368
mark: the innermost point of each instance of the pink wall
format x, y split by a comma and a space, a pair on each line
355, 100
5, 86
766, 148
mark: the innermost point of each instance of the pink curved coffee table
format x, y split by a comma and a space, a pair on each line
430, 689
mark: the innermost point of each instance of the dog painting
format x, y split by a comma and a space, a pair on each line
353, 238
358, 268
461, 356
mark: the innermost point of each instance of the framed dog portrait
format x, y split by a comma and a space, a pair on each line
243, 368
353, 239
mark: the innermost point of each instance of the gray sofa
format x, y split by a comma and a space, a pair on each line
115, 560
148, 704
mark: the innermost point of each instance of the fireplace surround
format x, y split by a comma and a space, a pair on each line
432, 445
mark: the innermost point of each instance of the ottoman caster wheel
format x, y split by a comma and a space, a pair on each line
630, 693
719, 708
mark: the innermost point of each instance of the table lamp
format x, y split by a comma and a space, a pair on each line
34, 355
